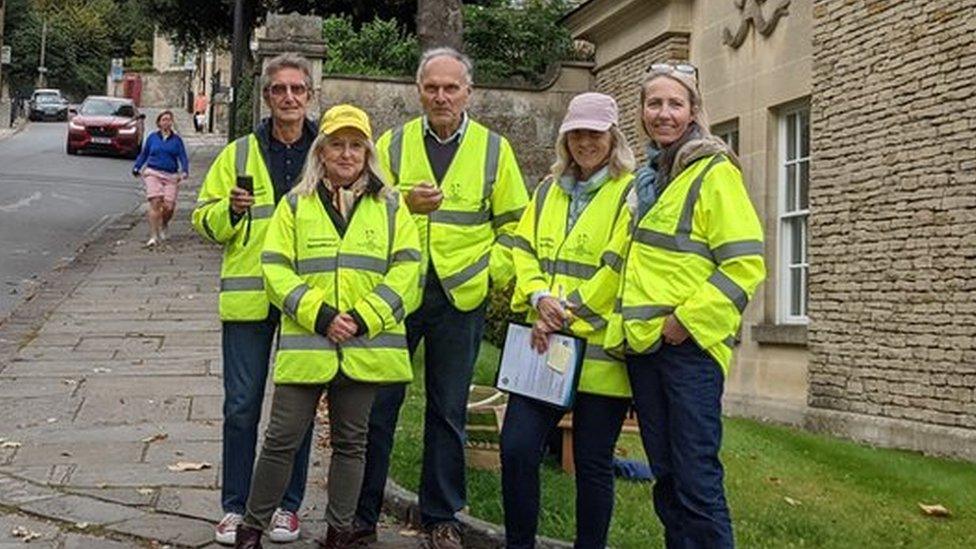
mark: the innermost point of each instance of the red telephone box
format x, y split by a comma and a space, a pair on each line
132, 87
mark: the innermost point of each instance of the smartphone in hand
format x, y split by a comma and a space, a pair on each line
246, 182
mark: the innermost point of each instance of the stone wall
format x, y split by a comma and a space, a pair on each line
529, 118
893, 223
622, 78
164, 89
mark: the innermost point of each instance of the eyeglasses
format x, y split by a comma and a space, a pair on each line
668, 68
281, 90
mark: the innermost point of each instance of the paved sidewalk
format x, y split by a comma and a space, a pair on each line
109, 375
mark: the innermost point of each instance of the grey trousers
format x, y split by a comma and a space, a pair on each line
292, 412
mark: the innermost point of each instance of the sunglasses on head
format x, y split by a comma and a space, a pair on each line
280, 90
668, 68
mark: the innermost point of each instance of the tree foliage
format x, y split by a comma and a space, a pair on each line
380, 47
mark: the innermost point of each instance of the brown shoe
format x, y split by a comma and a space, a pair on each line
337, 539
247, 537
362, 534
446, 535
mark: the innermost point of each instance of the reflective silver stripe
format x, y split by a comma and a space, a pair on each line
466, 274
241, 150
262, 212
730, 289
392, 203
505, 240
392, 299
729, 342
242, 284
540, 201
521, 243
613, 260
381, 341
507, 217
460, 218
291, 301
292, 199
678, 243
202, 203
315, 265
585, 313
396, 147
406, 254
363, 263
684, 224
274, 258
646, 312
569, 268
491, 163
288, 342
596, 352
741, 248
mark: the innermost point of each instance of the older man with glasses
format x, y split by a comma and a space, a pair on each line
235, 205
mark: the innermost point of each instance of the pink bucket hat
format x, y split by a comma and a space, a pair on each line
590, 111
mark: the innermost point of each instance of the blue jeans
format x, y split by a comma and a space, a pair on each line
451, 342
596, 426
247, 348
678, 396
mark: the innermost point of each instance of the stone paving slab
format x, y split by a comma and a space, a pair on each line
81, 509
76, 370
167, 529
65, 453
123, 410
140, 475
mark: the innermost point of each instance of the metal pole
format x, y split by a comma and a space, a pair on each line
237, 66
41, 69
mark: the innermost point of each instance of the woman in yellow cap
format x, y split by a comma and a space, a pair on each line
342, 261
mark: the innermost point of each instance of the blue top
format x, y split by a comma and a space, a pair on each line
166, 155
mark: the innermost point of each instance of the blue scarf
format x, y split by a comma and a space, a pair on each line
647, 182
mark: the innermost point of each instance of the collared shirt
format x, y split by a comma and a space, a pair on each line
287, 160
581, 192
440, 152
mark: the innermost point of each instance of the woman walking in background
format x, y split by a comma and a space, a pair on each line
695, 259
162, 164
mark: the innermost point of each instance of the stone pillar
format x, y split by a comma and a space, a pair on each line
291, 33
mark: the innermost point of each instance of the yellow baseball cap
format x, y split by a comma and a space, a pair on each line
345, 116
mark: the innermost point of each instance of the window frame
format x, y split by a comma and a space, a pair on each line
785, 213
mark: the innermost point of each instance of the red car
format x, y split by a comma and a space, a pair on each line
106, 124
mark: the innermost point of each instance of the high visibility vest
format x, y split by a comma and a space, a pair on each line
583, 265
468, 239
242, 295
373, 269
697, 254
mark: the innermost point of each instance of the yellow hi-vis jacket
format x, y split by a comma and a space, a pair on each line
584, 263
469, 237
697, 254
242, 295
372, 269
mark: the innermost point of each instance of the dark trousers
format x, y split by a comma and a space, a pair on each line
247, 349
678, 396
596, 426
451, 342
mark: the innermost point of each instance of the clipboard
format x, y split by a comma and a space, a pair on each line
551, 378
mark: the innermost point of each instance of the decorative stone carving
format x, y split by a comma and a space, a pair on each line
752, 15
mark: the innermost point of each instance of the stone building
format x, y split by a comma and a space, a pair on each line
856, 125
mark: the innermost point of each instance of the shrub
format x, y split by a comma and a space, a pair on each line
378, 48
499, 314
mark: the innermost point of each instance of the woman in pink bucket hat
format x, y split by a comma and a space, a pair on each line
567, 254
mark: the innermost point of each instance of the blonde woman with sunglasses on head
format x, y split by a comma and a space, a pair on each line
695, 259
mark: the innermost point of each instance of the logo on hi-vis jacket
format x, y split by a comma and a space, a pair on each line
369, 240
580, 245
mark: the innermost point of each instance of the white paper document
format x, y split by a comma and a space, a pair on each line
549, 377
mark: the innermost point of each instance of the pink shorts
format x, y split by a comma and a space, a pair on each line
161, 184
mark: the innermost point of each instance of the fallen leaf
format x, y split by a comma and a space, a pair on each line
792, 502
100, 370
145, 491
155, 438
66, 454
9, 444
52, 419
934, 510
774, 480
24, 534
180, 466
81, 525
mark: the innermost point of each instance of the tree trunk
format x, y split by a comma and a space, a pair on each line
439, 23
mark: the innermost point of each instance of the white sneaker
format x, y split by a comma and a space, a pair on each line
284, 526
151, 243
226, 531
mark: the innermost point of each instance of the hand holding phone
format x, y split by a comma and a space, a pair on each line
242, 195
